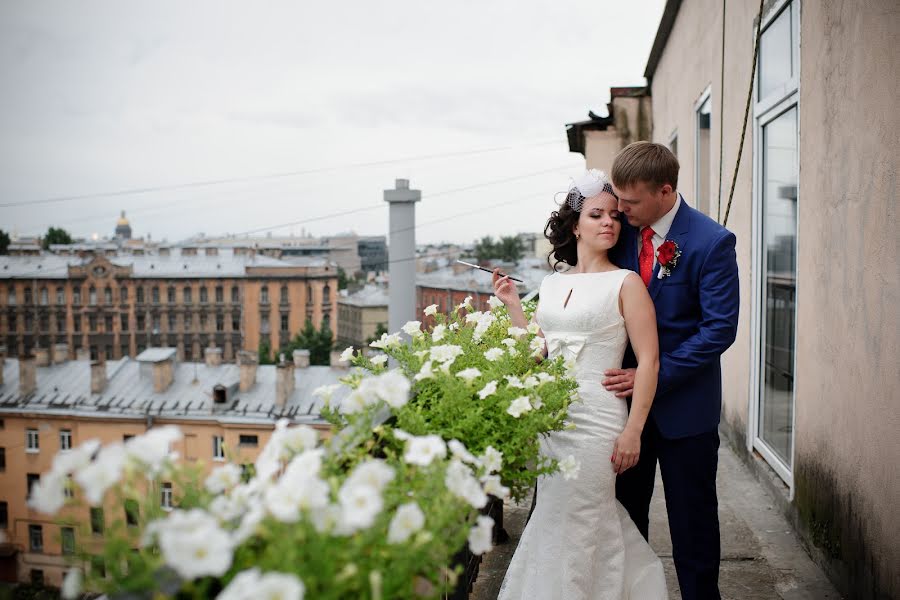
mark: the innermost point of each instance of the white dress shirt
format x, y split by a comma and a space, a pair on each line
661, 229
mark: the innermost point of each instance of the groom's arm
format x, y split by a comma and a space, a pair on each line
719, 294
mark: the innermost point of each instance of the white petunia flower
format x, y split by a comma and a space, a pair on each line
392, 387
446, 354
459, 450
460, 481
379, 360
514, 382
152, 448
508, 342
437, 334
480, 535
223, 478
473, 317
488, 390
569, 467
466, 303
493, 487
48, 495
533, 328
545, 377
531, 382
495, 302
360, 505
516, 332
387, 341
408, 519
413, 328
492, 459
71, 585
493, 354
426, 372
536, 344
102, 473
69, 461
453, 326
513, 352
253, 585
249, 524
372, 472
354, 402
193, 544
347, 354
469, 374
422, 450
537, 403
519, 406
298, 438
431, 310
285, 500
326, 392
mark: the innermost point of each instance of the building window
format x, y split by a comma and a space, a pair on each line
28, 298
92, 296
326, 321
123, 294
264, 326
37, 577
154, 295
107, 295
235, 322
141, 322
123, 322
35, 538
76, 323
218, 447
29, 323
125, 350
31, 480
98, 566
4, 515
92, 323
69, 489
95, 354
60, 323
65, 439
107, 352
140, 295
171, 320
45, 299
203, 321
97, 522
264, 295
11, 296
170, 295
775, 241
60, 296
186, 293
32, 441
220, 294
703, 155
249, 440
165, 499
204, 295
108, 323
156, 324
44, 322
284, 322
76, 295
220, 322
284, 294
235, 295
326, 295
2, 459
132, 512
67, 540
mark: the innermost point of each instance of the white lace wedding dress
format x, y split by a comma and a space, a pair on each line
580, 542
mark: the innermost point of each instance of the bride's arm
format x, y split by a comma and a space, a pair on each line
505, 290
640, 322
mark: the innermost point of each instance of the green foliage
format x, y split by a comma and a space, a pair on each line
319, 343
265, 352
343, 280
507, 248
4, 242
56, 235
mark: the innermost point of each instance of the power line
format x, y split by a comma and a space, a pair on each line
269, 176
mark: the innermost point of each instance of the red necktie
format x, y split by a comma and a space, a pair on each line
645, 258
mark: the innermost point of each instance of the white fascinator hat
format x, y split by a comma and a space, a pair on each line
591, 183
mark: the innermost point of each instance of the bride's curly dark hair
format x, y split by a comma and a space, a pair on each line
560, 231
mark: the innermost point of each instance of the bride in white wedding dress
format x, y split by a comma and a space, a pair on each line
580, 542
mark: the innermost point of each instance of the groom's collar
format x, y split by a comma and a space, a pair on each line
664, 224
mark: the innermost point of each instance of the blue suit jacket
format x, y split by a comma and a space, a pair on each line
697, 316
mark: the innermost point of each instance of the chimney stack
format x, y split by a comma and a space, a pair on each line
42, 357
247, 362
213, 356
284, 382
27, 374
402, 251
98, 377
163, 374
83, 354
334, 359
60, 353
301, 358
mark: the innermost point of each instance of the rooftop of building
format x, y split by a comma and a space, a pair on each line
370, 295
65, 390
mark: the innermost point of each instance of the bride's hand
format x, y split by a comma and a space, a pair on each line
505, 289
627, 450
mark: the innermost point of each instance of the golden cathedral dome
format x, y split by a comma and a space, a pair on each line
122, 220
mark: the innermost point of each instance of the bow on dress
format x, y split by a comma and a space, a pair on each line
569, 346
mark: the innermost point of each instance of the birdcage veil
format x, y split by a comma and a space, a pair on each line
591, 183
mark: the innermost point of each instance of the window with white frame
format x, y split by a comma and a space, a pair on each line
165, 500
218, 447
65, 439
32, 441
776, 193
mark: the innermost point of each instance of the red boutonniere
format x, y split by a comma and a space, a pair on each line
667, 256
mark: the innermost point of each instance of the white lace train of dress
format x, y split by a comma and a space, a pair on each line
580, 542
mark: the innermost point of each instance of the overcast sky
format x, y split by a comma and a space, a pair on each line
101, 97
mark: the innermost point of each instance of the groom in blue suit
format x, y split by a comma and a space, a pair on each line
688, 263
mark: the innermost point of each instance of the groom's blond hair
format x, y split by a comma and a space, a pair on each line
646, 162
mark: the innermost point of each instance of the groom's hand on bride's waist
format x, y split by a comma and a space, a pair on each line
620, 381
